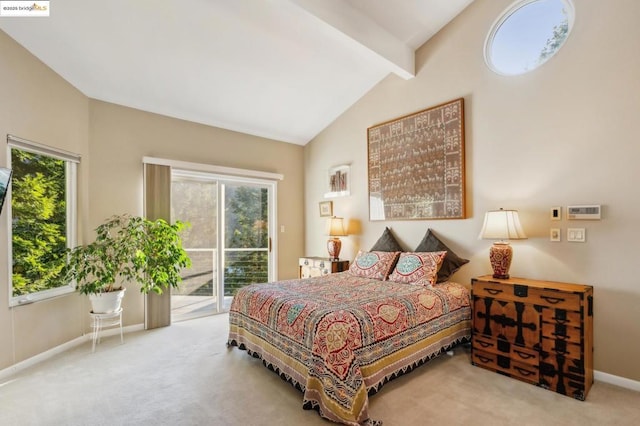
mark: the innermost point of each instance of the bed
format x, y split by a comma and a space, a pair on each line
340, 337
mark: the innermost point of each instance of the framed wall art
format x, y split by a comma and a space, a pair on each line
339, 181
416, 165
326, 208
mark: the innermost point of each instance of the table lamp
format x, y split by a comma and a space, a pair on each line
335, 229
501, 225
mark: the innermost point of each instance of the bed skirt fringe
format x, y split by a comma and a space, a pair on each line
306, 404
313, 405
274, 368
407, 369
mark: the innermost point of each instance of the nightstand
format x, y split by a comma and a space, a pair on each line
318, 266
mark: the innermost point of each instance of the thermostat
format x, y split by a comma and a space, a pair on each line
591, 212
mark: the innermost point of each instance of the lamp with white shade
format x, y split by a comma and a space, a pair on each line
335, 229
501, 225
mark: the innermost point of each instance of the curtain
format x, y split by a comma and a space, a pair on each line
157, 205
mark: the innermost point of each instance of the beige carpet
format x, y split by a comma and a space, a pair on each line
185, 375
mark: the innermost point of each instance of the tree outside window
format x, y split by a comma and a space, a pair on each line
39, 221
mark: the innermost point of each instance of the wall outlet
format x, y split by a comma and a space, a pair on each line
554, 234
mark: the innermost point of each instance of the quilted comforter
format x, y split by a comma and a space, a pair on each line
340, 337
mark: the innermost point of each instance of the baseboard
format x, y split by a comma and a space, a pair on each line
623, 382
15, 368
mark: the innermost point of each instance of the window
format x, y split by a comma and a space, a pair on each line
527, 35
232, 223
232, 240
43, 219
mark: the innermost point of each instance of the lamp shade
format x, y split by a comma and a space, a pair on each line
502, 225
335, 227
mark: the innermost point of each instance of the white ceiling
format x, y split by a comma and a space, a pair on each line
280, 69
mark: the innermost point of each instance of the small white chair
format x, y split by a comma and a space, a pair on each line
100, 321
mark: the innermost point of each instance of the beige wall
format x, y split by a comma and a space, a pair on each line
563, 134
120, 137
38, 105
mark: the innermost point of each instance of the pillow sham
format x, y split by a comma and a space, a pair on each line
373, 264
417, 268
387, 242
451, 263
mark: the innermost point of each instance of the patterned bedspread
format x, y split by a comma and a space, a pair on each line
338, 337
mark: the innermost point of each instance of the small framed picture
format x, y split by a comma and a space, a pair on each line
338, 181
326, 208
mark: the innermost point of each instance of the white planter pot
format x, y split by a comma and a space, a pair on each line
104, 303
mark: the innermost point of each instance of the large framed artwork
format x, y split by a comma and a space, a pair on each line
416, 165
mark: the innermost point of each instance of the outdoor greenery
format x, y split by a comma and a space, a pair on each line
38, 221
247, 217
246, 234
560, 33
39, 230
132, 249
196, 202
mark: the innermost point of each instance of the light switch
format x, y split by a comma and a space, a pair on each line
577, 235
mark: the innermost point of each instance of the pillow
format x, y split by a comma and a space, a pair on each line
387, 242
451, 263
373, 264
418, 268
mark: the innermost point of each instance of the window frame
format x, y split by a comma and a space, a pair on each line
504, 16
71, 177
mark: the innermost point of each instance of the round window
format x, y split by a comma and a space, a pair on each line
527, 35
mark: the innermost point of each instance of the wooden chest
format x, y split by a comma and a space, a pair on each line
539, 332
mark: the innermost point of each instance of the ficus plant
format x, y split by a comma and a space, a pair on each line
129, 249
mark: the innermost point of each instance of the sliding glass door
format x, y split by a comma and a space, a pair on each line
229, 241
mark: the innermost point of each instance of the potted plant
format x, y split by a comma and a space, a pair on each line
130, 249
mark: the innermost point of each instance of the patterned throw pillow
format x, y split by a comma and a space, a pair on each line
418, 268
452, 262
373, 264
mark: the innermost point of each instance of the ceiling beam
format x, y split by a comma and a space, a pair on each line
364, 34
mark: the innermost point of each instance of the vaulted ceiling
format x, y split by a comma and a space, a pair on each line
280, 69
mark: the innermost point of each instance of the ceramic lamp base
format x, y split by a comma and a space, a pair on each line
333, 247
500, 256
